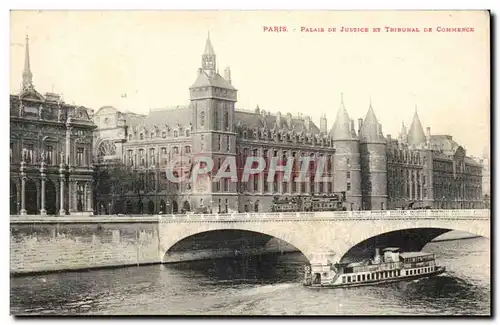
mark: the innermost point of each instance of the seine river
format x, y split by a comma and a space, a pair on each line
268, 285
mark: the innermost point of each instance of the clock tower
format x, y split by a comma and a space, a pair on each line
213, 101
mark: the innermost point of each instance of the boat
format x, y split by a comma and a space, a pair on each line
391, 266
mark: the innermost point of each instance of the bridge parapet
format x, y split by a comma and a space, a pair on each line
336, 215
483, 214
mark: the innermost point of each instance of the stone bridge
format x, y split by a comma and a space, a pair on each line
52, 243
343, 234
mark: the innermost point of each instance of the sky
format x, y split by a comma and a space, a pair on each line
95, 57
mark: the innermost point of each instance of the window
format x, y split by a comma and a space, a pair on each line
348, 162
176, 150
216, 120
79, 156
226, 184
152, 156
187, 149
348, 175
202, 145
218, 142
164, 135
29, 150
130, 158
141, 136
142, 158
226, 121
188, 133
176, 134
11, 150
130, 137
228, 143
163, 151
49, 155
202, 118
348, 186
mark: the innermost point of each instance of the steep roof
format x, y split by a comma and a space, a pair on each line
341, 129
416, 133
257, 120
371, 129
162, 117
205, 80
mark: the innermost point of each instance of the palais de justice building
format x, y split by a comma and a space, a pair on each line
51, 168
376, 171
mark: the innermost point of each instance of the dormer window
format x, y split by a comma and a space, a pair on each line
176, 134
130, 137
141, 136
188, 133
164, 135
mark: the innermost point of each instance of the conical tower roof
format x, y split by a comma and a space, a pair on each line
416, 133
341, 129
370, 130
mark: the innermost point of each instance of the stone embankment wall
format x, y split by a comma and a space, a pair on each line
69, 243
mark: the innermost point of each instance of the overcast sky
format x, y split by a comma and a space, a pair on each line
93, 58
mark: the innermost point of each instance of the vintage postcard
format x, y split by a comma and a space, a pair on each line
250, 163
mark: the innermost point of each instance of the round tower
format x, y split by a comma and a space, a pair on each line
373, 150
346, 160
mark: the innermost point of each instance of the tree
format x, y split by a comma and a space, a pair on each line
114, 182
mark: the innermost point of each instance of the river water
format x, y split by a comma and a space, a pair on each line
269, 285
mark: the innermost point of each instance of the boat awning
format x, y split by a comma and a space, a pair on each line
391, 249
414, 254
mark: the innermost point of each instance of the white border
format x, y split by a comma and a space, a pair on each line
6, 5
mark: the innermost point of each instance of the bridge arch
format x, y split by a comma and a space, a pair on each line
182, 238
406, 238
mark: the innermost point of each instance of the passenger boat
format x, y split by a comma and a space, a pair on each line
392, 266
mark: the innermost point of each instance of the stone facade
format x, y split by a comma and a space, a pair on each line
376, 172
51, 144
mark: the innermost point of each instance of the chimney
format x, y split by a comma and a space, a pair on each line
278, 118
428, 131
323, 124
289, 119
227, 74
360, 124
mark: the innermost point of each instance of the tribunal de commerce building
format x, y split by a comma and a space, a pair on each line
376, 172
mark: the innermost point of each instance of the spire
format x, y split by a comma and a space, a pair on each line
27, 75
416, 133
208, 59
341, 129
370, 129
209, 50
